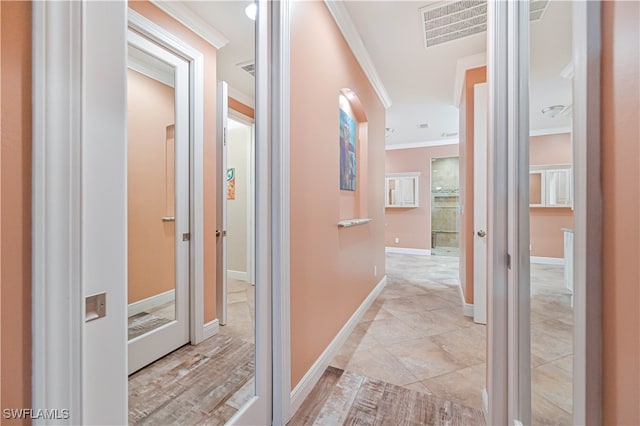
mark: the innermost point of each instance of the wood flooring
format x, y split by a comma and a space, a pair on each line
345, 398
203, 384
143, 323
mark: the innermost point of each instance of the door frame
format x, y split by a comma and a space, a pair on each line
480, 147
70, 235
251, 164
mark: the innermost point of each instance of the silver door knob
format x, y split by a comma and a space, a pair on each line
482, 234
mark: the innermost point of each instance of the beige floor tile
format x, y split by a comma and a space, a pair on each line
467, 345
392, 330
544, 412
424, 359
378, 363
554, 383
461, 386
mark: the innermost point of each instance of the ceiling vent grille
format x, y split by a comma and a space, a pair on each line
249, 67
443, 22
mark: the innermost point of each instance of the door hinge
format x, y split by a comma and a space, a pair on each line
224, 136
186, 236
508, 261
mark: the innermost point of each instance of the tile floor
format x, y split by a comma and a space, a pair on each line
415, 336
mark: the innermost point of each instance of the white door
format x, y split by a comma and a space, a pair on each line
222, 113
158, 201
480, 203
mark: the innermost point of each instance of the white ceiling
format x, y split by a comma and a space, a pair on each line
229, 18
419, 81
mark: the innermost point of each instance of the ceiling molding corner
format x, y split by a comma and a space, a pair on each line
464, 64
351, 35
240, 96
191, 20
425, 144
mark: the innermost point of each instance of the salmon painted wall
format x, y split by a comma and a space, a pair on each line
472, 77
238, 106
332, 270
621, 212
15, 205
150, 187
547, 238
413, 226
154, 14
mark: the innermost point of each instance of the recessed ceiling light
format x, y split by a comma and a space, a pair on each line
251, 11
423, 126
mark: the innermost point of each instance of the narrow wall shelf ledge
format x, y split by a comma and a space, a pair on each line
353, 222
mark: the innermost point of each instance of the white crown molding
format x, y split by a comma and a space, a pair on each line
191, 20
150, 70
466, 63
553, 131
240, 96
351, 35
425, 144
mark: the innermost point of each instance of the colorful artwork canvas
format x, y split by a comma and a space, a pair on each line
348, 152
231, 184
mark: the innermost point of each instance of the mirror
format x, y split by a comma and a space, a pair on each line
151, 193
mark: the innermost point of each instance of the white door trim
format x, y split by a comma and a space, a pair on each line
78, 186
195, 58
587, 272
222, 111
497, 280
57, 140
280, 58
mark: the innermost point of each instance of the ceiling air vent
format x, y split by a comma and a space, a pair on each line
443, 22
249, 67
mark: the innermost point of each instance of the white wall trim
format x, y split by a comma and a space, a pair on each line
234, 93
306, 384
237, 275
191, 20
485, 402
57, 309
552, 131
468, 309
151, 302
464, 64
351, 35
196, 167
456, 141
211, 329
402, 250
425, 144
547, 260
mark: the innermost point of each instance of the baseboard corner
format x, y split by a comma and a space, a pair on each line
210, 329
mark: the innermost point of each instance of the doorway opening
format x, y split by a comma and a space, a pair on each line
445, 204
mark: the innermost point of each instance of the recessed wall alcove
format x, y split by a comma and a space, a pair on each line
353, 203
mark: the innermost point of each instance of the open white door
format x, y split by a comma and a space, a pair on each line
222, 113
480, 203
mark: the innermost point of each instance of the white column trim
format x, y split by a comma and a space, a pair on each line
282, 411
57, 287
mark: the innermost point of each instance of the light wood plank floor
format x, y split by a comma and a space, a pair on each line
345, 398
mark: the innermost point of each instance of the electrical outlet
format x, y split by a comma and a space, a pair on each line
375, 270
397, 240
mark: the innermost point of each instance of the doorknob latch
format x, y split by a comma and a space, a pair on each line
482, 234
223, 233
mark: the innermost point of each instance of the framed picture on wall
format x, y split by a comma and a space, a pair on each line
348, 152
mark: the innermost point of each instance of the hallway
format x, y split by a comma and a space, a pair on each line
414, 349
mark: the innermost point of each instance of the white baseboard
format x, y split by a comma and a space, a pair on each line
401, 250
467, 308
485, 403
210, 329
306, 384
237, 275
151, 302
547, 260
